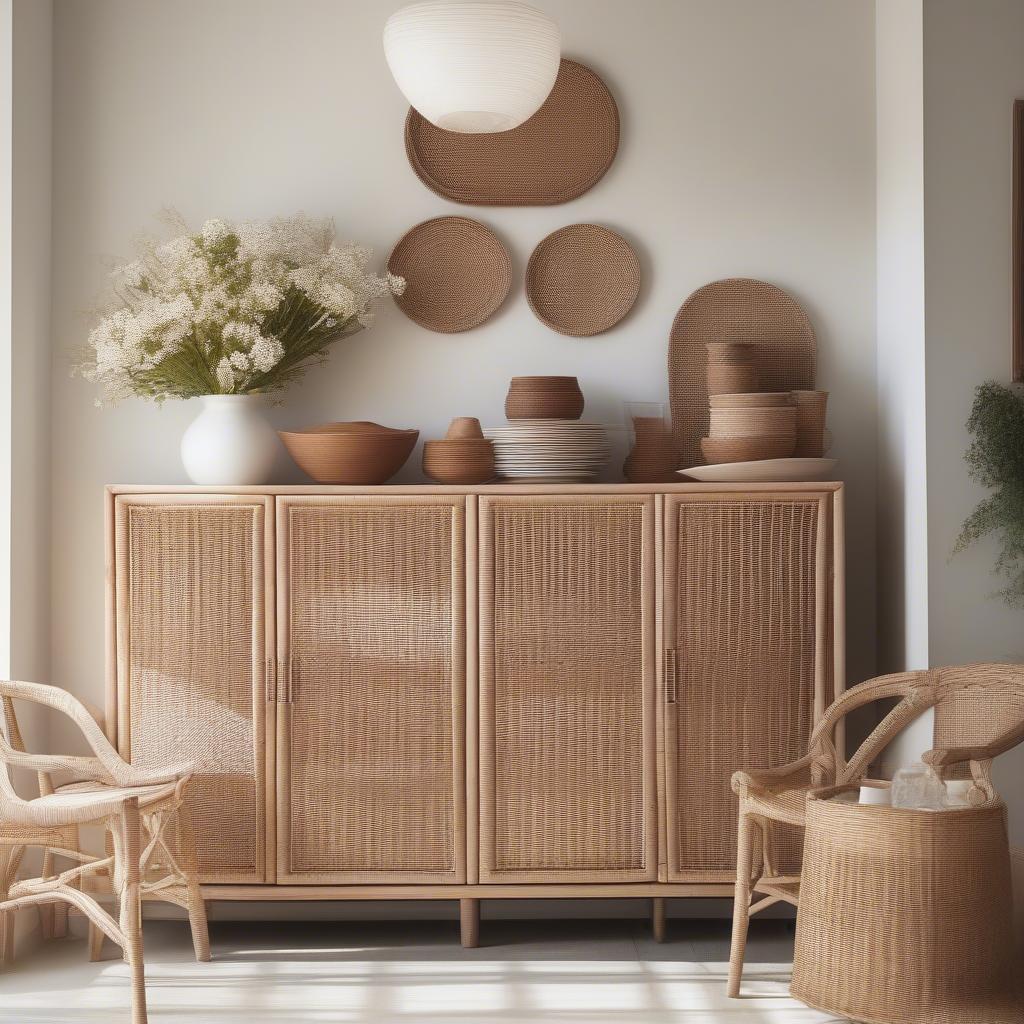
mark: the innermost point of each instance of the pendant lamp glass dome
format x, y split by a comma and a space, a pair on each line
473, 65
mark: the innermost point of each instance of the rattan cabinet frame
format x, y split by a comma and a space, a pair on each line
660, 876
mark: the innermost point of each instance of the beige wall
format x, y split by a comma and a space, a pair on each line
973, 70
747, 149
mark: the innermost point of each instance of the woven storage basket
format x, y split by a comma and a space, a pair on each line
769, 421
905, 916
734, 310
810, 423
554, 156
730, 352
731, 378
456, 271
748, 400
719, 450
582, 279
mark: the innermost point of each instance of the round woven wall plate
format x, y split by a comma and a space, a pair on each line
582, 279
557, 155
737, 309
456, 273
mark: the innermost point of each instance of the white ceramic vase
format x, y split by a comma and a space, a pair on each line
229, 442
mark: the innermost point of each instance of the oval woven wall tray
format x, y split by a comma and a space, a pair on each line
557, 155
456, 270
736, 309
582, 279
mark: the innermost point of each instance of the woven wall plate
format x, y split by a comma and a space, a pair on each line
736, 309
557, 155
457, 273
582, 279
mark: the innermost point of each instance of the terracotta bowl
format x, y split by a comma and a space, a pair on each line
465, 461
718, 450
544, 398
350, 453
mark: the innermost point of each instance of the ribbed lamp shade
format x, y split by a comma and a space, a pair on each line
473, 65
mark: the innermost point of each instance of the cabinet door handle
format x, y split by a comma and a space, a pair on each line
269, 686
670, 676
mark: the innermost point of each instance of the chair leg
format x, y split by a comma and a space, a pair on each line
96, 938
60, 918
10, 860
741, 908
469, 919
131, 909
196, 905
46, 910
658, 907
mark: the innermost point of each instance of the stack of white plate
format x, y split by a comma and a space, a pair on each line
549, 451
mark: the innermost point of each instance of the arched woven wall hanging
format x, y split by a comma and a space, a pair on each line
736, 309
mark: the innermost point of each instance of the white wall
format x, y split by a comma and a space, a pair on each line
747, 149
973, 70
26, 67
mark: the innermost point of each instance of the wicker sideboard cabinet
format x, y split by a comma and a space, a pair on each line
471, 692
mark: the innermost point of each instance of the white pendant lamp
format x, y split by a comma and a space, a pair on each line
473, 65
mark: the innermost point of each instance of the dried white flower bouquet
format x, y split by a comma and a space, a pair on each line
234, 309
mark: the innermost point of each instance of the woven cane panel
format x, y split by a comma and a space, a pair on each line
981, 704
556, 155
192, 586
740, 310
377, 689
568, 627
744, 634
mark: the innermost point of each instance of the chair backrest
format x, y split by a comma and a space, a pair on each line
979, 714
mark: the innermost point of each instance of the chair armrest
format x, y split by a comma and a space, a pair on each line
769, 779
942, 757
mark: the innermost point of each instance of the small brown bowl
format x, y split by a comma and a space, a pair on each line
459, 461
544, 398
464, 428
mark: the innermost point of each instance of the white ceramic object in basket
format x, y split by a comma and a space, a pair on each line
763, 472
229, 442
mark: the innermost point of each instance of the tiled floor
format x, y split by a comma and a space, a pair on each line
394, 972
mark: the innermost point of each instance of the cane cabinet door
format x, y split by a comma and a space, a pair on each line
371, 689
190, 631
567, 689
746, 603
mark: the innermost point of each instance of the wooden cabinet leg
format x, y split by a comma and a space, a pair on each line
469, 916
658, 907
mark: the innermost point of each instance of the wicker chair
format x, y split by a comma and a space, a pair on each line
979, 714
167, 870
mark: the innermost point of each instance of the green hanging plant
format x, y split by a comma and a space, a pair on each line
995, 459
